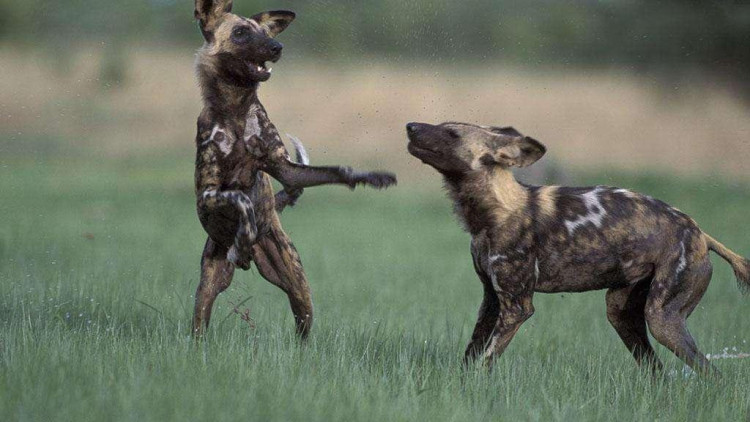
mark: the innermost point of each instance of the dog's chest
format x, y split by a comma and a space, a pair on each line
252, 126
505, 267
482, 254
257, 132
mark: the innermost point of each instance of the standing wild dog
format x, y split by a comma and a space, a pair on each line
238, 148
652, 258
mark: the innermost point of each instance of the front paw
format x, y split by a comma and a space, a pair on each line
376, 179
293, 195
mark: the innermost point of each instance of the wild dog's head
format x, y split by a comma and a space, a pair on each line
237, 48
460, 148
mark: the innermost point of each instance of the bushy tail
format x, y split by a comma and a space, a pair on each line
740, 265
288, 199
302, 157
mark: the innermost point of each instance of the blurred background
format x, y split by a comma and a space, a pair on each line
640, 85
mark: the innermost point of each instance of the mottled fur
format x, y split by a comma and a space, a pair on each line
652, 258
238, 151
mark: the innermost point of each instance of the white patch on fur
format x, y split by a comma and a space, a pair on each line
252, 125
536, 268
232, 255
493, 278
595, 214
626, 192
494, 258
490, 348
491, 259
682, 263
226, 144
634, 195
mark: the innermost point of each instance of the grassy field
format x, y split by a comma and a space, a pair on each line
99, 261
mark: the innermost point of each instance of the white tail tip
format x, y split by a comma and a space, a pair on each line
302, 157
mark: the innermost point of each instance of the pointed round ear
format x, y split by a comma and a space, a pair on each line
521, 152
274, 21
505, 130
208, 13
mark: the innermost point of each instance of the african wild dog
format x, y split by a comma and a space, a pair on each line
237, 150
525, 239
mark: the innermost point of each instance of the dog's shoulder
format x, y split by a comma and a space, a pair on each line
211, 133
205, 124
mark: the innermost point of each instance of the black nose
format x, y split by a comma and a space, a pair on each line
412, 127
276, 47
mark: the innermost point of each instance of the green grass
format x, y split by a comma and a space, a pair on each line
99, 261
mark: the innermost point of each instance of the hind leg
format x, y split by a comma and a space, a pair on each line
674, 294
278, 262
625, 311
216, 276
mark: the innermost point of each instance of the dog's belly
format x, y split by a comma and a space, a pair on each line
578, 274
581, 279
262, 196
593, 263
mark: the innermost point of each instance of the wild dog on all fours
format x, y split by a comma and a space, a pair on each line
238, 150
652, 258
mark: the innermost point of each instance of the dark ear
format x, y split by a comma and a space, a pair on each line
507, 130
274, 21
521, 152
208, 13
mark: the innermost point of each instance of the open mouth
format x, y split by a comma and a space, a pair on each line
260, 71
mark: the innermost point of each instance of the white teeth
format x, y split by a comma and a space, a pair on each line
260, 67
270, 69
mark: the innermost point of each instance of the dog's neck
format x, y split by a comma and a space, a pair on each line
486, 198
227, 101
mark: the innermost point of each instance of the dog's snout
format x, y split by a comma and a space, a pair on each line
276, 47
412, 127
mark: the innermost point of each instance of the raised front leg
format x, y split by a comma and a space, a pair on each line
229, 219
216, 276
278, 262
294, 175
297, 175
289, 198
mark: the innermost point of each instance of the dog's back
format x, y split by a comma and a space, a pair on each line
598, 237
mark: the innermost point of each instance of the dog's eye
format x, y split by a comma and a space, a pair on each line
453, 134
240, 32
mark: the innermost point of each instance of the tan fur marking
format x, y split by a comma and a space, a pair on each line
546, 201
509, 194
223, 33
